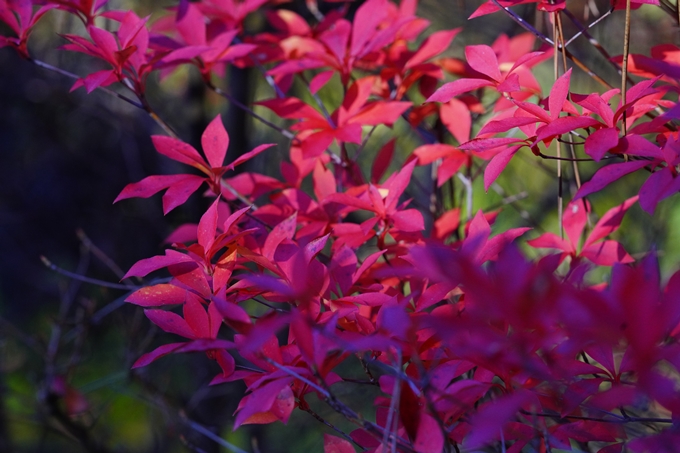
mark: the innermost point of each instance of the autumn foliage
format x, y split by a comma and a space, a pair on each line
473, 345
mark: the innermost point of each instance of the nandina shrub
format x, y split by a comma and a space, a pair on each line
473, 345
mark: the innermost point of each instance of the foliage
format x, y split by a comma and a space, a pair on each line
471, 344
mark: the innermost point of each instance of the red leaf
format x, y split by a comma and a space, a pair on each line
324, 181
574, 220
607, 175
149, 186
606, 253
282, 231
379, 112
488, 422
562, 125
249, 155
435, 44
366, 19
483, 59
497, 165
157, 295
157, 353
215, 142
452, 89
552, 241
95, 80
455, 115
207, 227
196, 316
179, 192
427, 154
599, 142
143, 267
332, 444
170, 322
179, 151
429, 438
409, 220
319, 80
656, 188
610, 221
382, 161
191, 26
558, 94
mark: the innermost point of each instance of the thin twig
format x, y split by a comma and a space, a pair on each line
285, 132
212, 436
624, 67
84, 279
71, 75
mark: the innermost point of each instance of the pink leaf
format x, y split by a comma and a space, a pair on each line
560, 126
455, 115
146, 266
215, 142
483, 59
249, 155
319, 80
610, 221
435, 44
654, 189
607, 175
429, 153
148, 186
332, 444
196, 316
282, 231
409, 220
157, 295
599, 142
170, 322
606, 253
191, 26
558, 94
96, 80
382, 161
552, 241
574, 220
207, 227
380, 112
488, 422
452, 89
178, 150
156, 354
429, 438
180, 192
366, 19
497, 165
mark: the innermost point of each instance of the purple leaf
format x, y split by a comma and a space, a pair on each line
606, 175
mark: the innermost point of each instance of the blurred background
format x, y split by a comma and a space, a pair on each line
66, 346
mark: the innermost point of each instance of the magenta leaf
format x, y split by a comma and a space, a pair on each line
497, 165
599, 142
606, 253
146, 266
452, 89
610, 221
558, 94
607, 175
178, 150
215, 142
157, 295
170, 322
333, 444
483, 59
